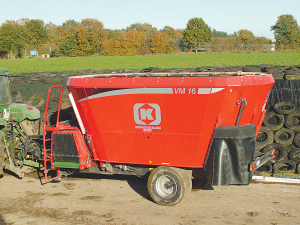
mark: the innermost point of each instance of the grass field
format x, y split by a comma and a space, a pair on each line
140, 62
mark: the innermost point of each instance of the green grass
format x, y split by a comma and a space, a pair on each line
140, 62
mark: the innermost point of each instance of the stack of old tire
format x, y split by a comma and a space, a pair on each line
281, 131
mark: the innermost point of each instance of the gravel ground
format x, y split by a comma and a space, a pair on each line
101, 199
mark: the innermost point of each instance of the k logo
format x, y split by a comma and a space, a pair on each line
147, 114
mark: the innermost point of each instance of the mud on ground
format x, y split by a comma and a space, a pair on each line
100, 199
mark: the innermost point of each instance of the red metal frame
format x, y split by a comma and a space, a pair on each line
164, 120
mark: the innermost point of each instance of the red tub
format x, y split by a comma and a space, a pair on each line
164, 119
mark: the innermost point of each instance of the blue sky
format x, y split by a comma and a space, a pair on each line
223, 15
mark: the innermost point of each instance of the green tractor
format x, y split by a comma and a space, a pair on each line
19, 125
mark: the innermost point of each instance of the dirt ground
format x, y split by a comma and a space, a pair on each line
103, 199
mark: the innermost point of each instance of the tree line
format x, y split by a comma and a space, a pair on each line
89, 37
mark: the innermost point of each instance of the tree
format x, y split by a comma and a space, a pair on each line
90, 36
65, 31
52, 34
170, 31
159, 43
128, 43
66, 38
245, 35
262, 44
173, 38
112, 33
216, 33
286, 31
148, 32
68, 46
11, 38
145, 28
36, 32
197, 33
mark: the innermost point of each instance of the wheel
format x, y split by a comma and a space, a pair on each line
285, 164
298, 169
284, 107
292, 76
295, 155
15, 94
292, 121
273, 121
53, 103
267, 167
19, 100
168, 185
50, 80
36, 101
284, 137
280, 151
51, 117
297, 139
265, 137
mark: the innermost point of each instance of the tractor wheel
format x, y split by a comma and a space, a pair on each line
284, 108
168, 185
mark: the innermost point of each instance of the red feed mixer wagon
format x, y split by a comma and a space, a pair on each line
178, 126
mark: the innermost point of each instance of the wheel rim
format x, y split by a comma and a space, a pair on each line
166, 186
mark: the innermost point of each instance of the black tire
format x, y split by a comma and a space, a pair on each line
17, 81
295, 155
265, 137
273, 121
62, 80
292, 121
284, 108
33, 80
278, 75
284, 137
234, 68
51, 117
168, 185
36, 101
53, 103
252, 69
15, 94
285, 164
50, 80
19, 100
280, 152
267, 167
292, 77
297, 139
298, 169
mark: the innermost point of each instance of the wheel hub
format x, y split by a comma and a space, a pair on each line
166, 186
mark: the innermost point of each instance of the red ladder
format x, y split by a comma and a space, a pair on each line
47, 141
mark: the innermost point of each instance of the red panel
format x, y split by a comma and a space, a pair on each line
164, 120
